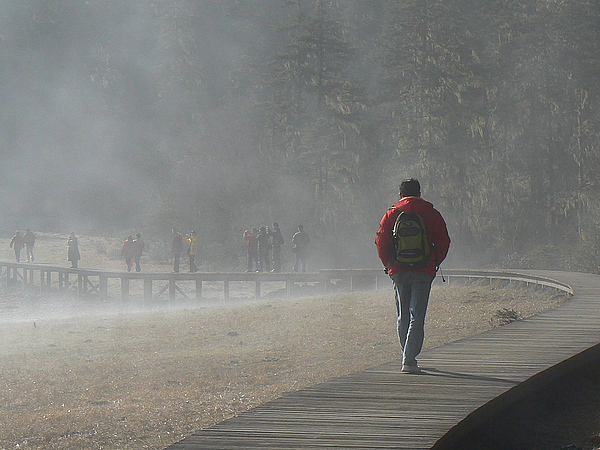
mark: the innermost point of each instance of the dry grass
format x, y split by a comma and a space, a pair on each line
146, 379
94, 376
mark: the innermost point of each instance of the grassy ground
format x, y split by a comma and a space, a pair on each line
78, 374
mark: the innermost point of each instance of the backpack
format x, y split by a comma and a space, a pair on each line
409, 240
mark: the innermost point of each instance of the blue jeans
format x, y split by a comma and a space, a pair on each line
412, 296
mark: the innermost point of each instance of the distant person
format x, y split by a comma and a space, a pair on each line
264, 250
29, 239
177, 250
192, 250
251, 249
17, 243
300, 242
276, 243
128, 252
73, 250
138, 248
412, 268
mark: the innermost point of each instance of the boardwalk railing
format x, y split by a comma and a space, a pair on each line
153, 285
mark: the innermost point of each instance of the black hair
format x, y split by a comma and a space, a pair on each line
410, 188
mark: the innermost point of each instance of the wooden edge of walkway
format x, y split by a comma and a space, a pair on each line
522, 390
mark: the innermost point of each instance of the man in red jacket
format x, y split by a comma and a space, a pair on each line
412, 286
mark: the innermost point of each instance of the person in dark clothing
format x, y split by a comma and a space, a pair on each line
138, 248
177, 250
264, 250
276, 243
412, 285
17, 243
73, 250
300, 242
29, 239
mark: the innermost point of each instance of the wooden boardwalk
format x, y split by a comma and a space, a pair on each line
465, 383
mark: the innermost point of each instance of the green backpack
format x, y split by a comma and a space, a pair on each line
409, 240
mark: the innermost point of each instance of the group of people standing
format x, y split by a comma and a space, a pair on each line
27, 241
263, 247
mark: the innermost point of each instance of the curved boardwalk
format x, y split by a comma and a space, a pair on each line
465, 383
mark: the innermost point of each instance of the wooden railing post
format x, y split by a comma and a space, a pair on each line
103, 287
198, 289
147, 289
172, 289
81, 284
124, 289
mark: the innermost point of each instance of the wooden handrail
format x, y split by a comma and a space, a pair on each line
94, 281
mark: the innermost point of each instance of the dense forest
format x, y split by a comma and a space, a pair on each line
220, 115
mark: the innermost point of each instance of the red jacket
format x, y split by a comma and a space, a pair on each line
437, 234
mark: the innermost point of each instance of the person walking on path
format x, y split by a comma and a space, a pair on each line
192, 250
73, 250
412, 285
128, 252
29, 239
300, 242
17, 243
138, 248
276, 242
177, 250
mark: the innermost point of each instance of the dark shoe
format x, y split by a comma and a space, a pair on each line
411, 369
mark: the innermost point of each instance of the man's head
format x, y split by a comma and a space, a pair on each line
410, 188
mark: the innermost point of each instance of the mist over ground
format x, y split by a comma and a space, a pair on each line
147, 380
222, 116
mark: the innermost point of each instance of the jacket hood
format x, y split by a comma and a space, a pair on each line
413, 200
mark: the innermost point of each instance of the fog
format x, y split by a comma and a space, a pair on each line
222, 116
125, 116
